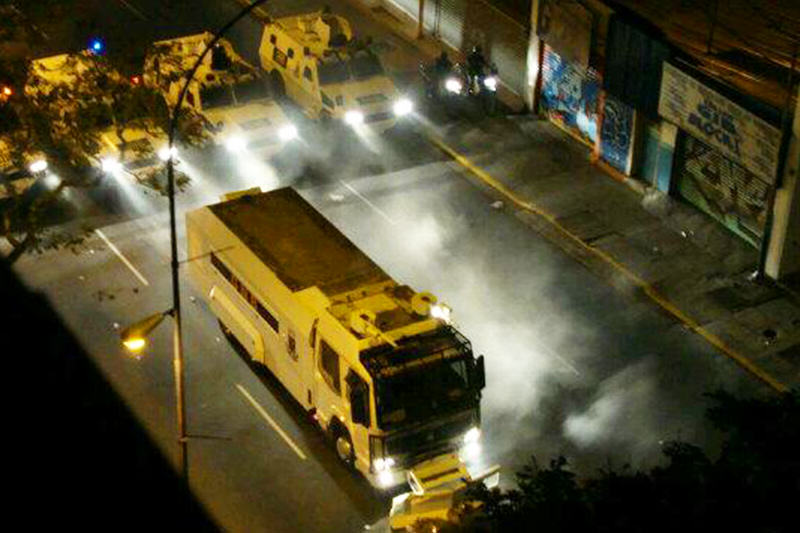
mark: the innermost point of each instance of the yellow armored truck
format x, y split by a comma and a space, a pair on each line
378, 365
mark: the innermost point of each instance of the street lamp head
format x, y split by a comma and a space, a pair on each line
134, 336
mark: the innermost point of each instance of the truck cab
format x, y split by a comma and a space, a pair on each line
314, 59
230, 94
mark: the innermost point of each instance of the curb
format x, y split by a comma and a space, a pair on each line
645, 287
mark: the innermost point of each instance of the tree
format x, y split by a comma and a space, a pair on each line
70, 117
751, 486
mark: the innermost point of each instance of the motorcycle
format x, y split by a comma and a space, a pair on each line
443, 85
483, 85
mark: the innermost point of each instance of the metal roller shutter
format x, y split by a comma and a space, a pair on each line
723, 189
462, 24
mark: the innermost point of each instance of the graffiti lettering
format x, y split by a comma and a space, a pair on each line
716, 124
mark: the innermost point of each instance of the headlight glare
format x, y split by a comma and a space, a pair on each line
110, 165
452, 85
441, 311
354, 118
287, 132
40, 165
403, 107
473, 435
490, 83
235, 143
383, 465
165, 152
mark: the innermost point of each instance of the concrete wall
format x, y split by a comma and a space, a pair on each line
783, 254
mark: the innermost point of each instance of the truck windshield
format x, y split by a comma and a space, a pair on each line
333, 72
425, 392
247, 91
365, 66
220, 96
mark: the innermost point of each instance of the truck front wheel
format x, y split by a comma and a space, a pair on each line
344, 446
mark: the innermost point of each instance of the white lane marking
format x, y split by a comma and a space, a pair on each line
563, 361
366, 201
567, 364
271, 422
133, 9
122, 258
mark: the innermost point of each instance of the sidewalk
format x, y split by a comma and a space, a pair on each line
643, 242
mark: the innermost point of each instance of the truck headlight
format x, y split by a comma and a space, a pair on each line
453, 85
472, 446
383, 465
110, 165
354, 118
441, 311
165, 153
287, 132
473, 435
40, 165
384, 469
403, 107
235, 143
491, 83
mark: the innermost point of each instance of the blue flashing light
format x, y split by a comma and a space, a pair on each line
96, 46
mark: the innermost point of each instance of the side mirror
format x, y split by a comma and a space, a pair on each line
480, 373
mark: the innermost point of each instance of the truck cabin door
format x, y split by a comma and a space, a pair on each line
358, 401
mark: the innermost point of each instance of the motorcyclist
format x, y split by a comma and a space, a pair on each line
476, 67
441, 70
442, 65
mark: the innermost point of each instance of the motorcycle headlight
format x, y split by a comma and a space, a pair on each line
491, 83
110, 165
287, 132
165, 152
235, 143
403, 107
452, 85
40, 165
354, 118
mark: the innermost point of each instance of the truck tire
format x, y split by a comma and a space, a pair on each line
343, 445
277, 86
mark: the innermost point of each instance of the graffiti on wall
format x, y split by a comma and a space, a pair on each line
728, 127
569, 95
616, 134
724, 189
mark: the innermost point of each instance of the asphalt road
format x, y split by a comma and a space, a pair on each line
573, 367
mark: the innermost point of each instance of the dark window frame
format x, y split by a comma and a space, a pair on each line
328, 357
245, 293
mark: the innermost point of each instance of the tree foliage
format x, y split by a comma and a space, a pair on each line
67, 118
751, 486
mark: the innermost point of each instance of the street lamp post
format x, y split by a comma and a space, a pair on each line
151, 322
